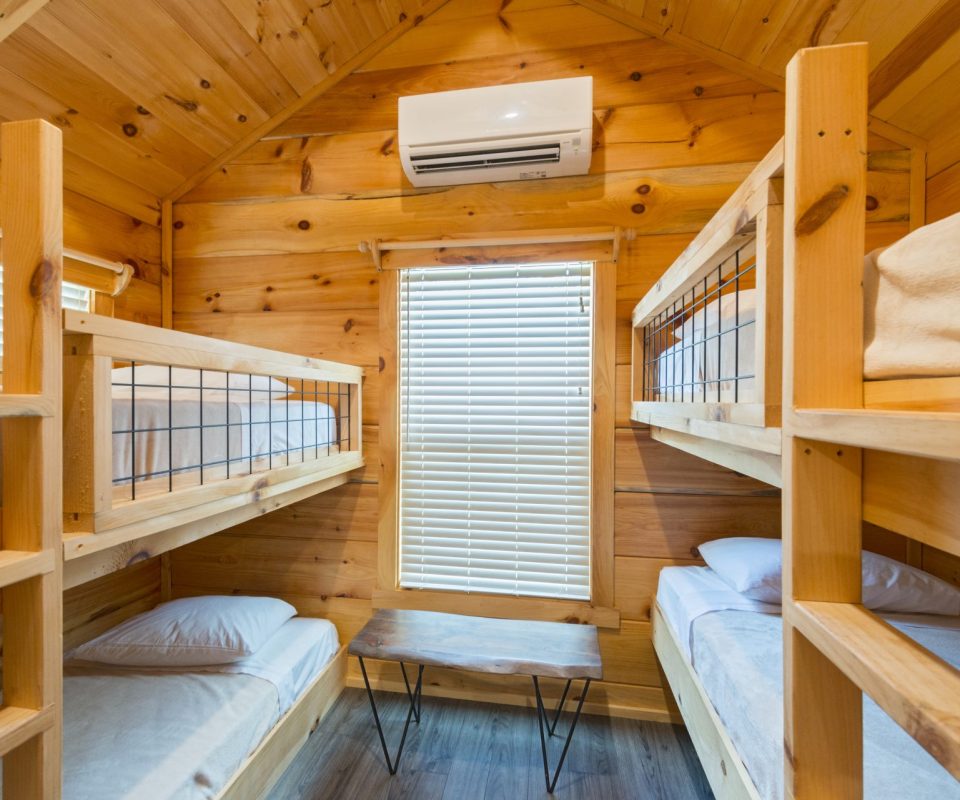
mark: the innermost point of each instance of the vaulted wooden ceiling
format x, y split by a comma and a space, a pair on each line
151, 92
148, 92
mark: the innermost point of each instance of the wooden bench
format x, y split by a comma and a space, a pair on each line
480, 644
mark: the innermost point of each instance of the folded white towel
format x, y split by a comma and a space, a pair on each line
913, 288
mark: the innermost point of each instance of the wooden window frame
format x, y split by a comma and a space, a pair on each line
599, 609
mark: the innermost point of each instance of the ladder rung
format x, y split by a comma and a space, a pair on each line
19, 725
919, 690
928, 434
20, 565
26, 405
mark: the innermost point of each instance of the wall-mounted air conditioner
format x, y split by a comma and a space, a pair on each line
497, 133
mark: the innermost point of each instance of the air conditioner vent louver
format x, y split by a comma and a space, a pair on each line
483, 159
497, 133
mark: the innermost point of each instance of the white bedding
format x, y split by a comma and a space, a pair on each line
737, 654
295, 424
178, 733
712, 352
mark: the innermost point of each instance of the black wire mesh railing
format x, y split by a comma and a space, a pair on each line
700, 347
174, 427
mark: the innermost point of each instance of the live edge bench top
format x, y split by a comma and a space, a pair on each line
481, 644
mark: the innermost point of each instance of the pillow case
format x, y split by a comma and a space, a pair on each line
193, 631
159, 375
753, 567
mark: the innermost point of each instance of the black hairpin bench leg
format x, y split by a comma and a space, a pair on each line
413, 713
546, 729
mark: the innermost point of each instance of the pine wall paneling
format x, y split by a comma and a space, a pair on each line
265, 251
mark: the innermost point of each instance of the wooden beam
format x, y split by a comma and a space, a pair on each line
918, 689
388, 530
345, 69
915, 48
31, 205
20, 14
824, 216
930, 434
602, 432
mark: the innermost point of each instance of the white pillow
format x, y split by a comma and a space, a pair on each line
190, 632
159, 375
753, 567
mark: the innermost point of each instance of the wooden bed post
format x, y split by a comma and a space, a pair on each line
824, 210
31, 203
87, 451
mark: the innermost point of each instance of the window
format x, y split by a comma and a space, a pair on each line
73, 297
494, 418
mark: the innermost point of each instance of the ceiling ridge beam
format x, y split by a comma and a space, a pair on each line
734, 64
344, 71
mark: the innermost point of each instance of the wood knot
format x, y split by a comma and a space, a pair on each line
142, 111
241, 117
204, 83
130, 129
872, 203
636, 76
643, 188
178, 225
347, 326
44, 284
381, 364
306, 176
303, 225
638, 208
698, 91
814, 217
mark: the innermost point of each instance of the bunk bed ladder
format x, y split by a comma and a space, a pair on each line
31, 209
834, 649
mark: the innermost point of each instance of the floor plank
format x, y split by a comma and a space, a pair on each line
477, 751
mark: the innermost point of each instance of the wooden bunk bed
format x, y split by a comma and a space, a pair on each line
175, 436
225, 432
844, 450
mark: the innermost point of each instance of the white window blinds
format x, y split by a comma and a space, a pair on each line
72, 296
495, 398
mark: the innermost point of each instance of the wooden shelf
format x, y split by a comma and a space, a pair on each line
927, 434
26, 405
20, 565
19, 725
920, 691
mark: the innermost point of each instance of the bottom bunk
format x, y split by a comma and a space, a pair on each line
722, 655
143, 719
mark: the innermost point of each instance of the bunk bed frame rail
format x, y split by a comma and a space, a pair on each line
179, 504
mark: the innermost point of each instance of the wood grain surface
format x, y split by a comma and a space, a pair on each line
481, 644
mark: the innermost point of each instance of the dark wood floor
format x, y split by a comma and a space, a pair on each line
478, 751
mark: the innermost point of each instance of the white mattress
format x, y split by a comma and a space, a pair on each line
174, 733
258, 426
737, 654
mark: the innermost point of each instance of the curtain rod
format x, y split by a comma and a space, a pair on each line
376, 247
94, 261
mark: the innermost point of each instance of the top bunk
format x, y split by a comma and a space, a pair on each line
167, 437
707, 362
170, 436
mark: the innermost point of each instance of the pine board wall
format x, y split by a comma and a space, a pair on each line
265, 252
